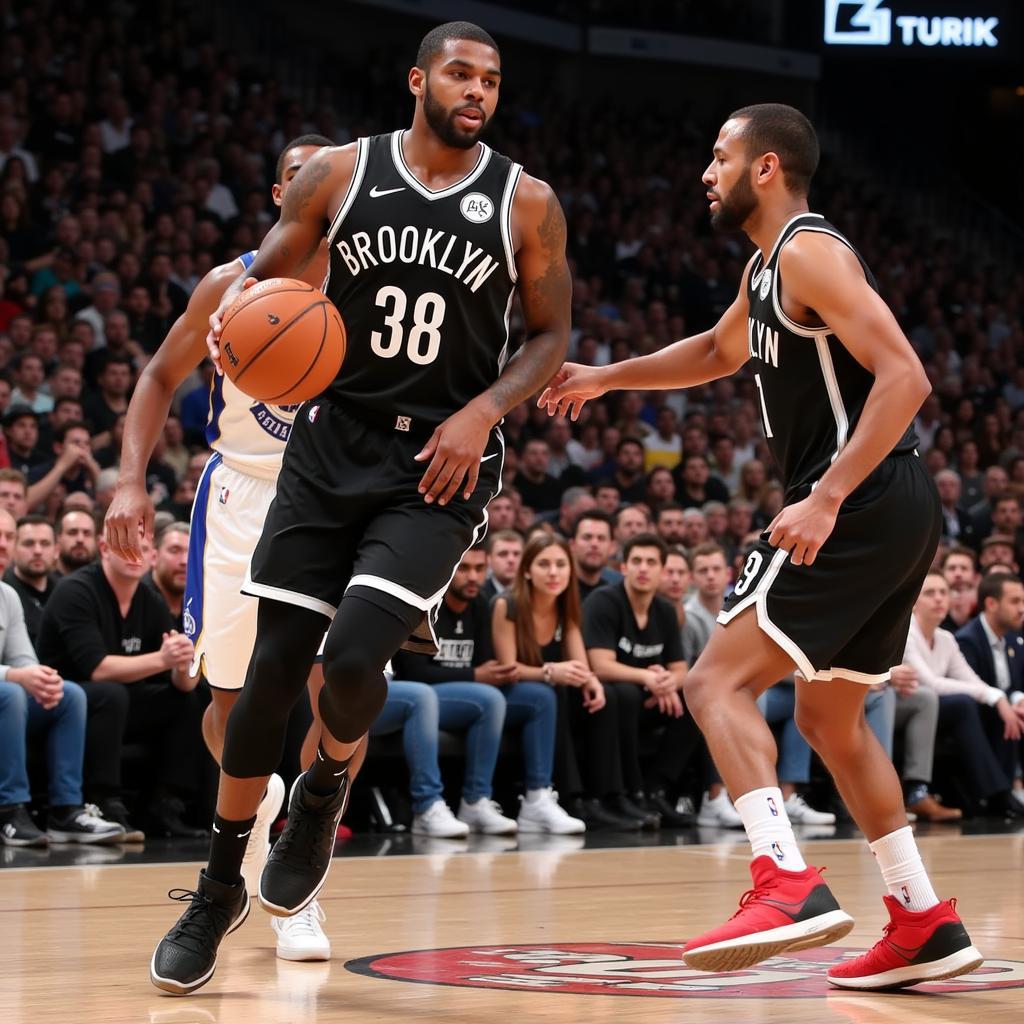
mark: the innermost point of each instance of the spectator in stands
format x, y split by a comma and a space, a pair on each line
76, 541
669, 523
539, 489
998, 548
21, 429
739, 523
71, 468
723, 454
13, 492
592, 547
501, 512
111, 400
717, 518
575, 501
167, 577
965, 701
660, 489
958, 528
562, 460
536, 626
960, 570
1006, 519
695, 528
695, 485
628, 474
106, 295
629, 521
608, 498
633, 643
31, 574
35, 700
116, 636
29, 372
996, 481
504, 550
663, 446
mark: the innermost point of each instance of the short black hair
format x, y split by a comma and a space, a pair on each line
645, 540
993, 586
597, 516
434, 41
61, 433
33, 519
778, 128
627, 442
299, 140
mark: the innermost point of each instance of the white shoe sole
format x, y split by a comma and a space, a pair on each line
439, 835
536, 827
963, 961
273, 908
502, 830
85, 838
746, 950
176, 988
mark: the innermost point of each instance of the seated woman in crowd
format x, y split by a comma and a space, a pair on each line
537, 627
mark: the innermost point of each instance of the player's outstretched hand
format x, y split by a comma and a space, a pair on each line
129, 517
802, 528
455, 449
571, 387
216, 318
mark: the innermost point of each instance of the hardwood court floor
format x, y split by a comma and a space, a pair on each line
75, 942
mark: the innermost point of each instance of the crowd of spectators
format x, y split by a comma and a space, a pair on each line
128, 169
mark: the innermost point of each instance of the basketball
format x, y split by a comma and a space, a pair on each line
282, 341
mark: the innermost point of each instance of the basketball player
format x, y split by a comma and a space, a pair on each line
387, 475
828, 590
234, 493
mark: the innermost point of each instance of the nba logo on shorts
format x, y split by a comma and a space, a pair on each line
772, 807
777, 850
314, 411
225, 493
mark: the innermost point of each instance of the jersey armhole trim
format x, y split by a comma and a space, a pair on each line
506, 219
362, 154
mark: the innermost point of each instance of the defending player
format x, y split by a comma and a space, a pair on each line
829, 589
234, 493
387, 475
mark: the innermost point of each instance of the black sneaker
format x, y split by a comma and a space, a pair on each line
114, 810
186, 957
599, 819
18, 829
82, 825
167, 819
670, 817
627, 807
298, 864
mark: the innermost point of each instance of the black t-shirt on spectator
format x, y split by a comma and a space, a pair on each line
81, 480
463, 640
540, 497
609, 623
553, 649
82, 624
32, 601
714, 490
98, 414
586, 589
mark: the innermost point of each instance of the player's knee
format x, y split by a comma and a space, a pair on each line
697, 691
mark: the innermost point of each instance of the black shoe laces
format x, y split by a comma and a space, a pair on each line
308, 833
202, 926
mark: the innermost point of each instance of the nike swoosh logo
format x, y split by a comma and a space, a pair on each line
486, 457
376, 193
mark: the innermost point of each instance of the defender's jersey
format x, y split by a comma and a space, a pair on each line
249, 435
811, 390
424, 282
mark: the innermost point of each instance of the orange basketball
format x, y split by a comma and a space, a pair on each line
282, 341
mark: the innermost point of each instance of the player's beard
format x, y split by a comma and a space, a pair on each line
442, 122
735, 209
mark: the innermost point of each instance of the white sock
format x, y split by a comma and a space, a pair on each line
902, 870
771, 835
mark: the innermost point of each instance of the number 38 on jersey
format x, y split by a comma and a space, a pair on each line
419, 335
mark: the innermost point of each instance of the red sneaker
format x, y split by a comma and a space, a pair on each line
785, 911
925, 945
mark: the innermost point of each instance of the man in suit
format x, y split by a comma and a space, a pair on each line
993, 646
957, 525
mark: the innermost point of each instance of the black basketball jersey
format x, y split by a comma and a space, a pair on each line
424, 282
810, 388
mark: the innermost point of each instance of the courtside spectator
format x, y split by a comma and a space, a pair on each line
504, 549
592, 547
31, 573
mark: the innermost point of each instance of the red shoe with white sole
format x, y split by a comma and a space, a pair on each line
784, 912
926, 945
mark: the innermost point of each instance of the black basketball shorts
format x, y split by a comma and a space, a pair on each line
848, 614
347, 516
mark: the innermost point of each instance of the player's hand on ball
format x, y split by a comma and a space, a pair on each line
801, 529
217, 318
129, 517
570, 388
455, 450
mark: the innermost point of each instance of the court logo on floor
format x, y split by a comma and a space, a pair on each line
641, 969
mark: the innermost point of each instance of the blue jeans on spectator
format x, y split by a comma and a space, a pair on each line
479, 710
778, 704
20, 717
880, 711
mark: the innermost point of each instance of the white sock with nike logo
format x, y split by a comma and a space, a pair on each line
768, 828
902, 871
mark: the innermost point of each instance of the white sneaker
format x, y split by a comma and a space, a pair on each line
258, 847
485, 816
719, 812
540, 811
438, 820
801, 813
300, 937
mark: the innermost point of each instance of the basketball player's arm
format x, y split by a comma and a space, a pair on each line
823, 276
181, 352
690, 362
545, 292
310, 202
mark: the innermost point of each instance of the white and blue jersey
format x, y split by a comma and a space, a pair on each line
249, 435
